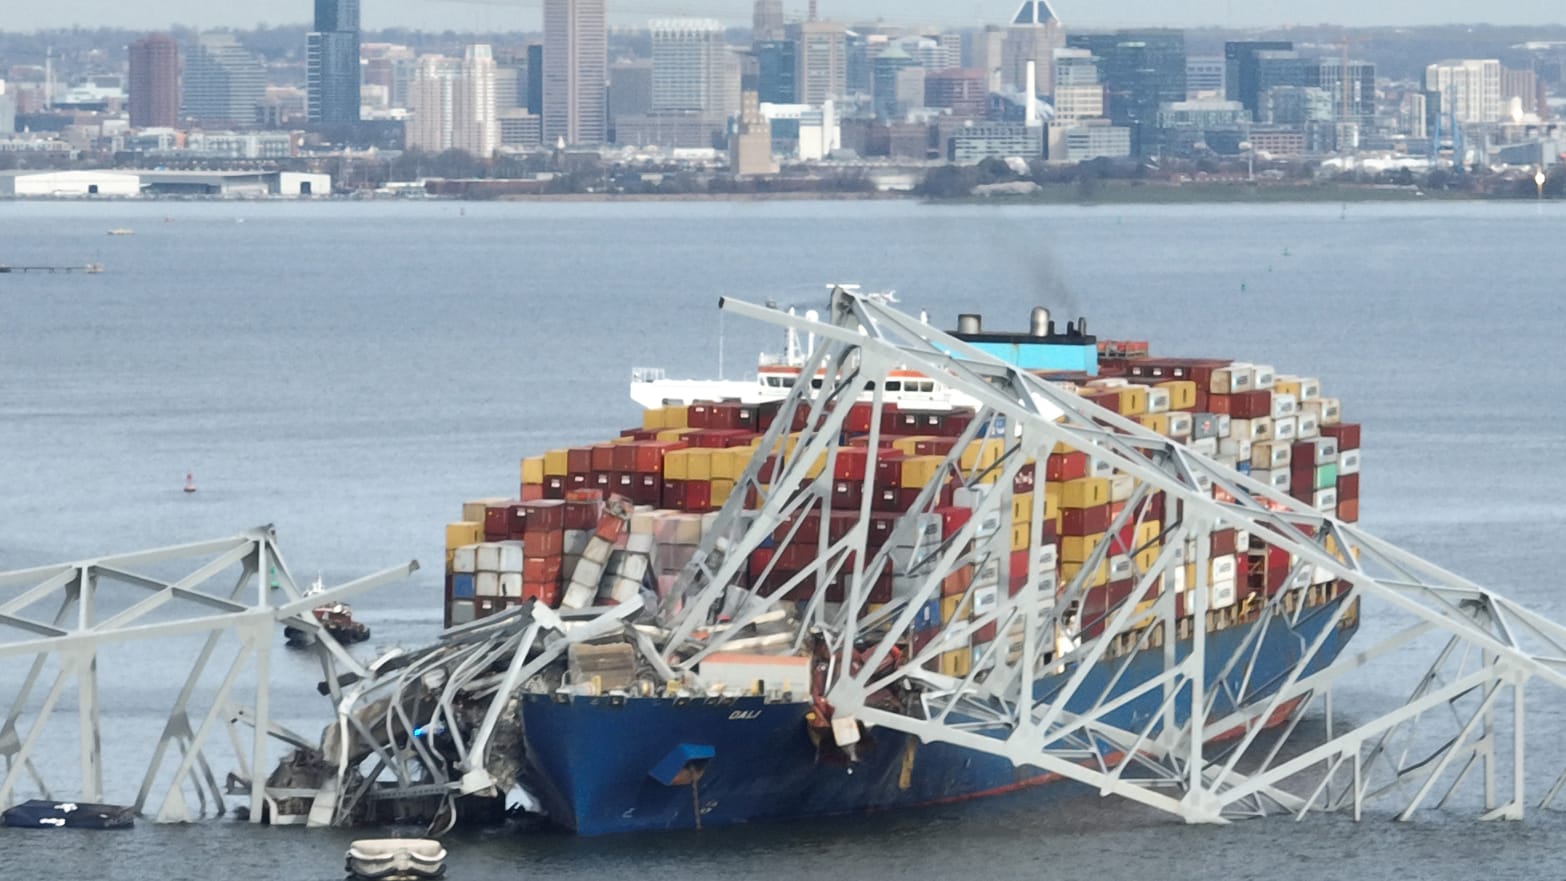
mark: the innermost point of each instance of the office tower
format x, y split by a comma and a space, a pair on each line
1139, 70
1242, 70
332, 63
1034, 34
690, 67
821, 61
154, 82
750, 149
766, 21
1470, 88
223, 82
535, 79
776, 67
575, 67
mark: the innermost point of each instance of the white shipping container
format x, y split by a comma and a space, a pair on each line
465, 559
639, 543
1320, 575
623, 590
1284, 405
1100, 468
1271, 454
1240, 449
1326, 450
1120, 487
1237, 377
511, 557
574, 541
1224, 425
985, 599
588, 573
740, 672
579, 595
1309, 426
1108, 382
486, 584
1158, 400
1325, 501
1221, 594
1348, 462
1207, 446
643, 522
1220, 568
461, 612
1284, 429
1120, 567
511, 584
1273, 478
1253, 430
1262, 376
1328, 411
487, 557
1179, 425
1310, 389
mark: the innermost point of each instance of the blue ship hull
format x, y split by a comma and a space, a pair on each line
594, 761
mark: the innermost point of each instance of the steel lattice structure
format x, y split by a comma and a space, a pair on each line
64, 616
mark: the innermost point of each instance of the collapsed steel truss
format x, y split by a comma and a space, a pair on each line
64, 616
1212, 734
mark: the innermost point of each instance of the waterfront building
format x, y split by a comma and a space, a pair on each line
223, 82
453, 104
1034, 34
1140, 70
1097, 139
1359, 104
519, 128
750, 149
963, 92
154, 82
804, 132
821, 61
630, 89
332, 63
982, 140
889, 66
1470, 88
7, 111
575, 71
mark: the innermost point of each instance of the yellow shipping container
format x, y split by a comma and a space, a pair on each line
672, 434
556, 463
652, 419
1084, 492
473, 509
1021, 534
1051, 501
1145, 560
676, 416
908, 446
1158, 423
1133, 400
533, 470
981, 454
1022, 507
1182, 393
957, 663
952, 609
920, 470
1098, 578
462, 533
721, 489
676, 464
1148, 532
1076, 548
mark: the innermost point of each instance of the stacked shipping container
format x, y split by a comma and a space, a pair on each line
597, 524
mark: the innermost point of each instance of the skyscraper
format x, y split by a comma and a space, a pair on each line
1242, 70
575, 71
1140, 70
453, 104
1034, 34
332, 62
154, 82
821, 61
535, 79
766, 21
689, 70
776, 66
223, 82
1470, 88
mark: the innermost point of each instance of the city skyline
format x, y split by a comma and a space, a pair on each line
526, 15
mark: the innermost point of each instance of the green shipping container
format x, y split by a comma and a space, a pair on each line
1327, 476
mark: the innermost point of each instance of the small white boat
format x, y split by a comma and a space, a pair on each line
396, 858
122, 231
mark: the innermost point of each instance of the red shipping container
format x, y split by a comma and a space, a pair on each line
532, 492
601, 480
1025, 480
695, 496
1348, 510
497, 522
935, 446
1061, 467
850, 463
582, 480
957, 582
1085, 521
554, 487
699, 415
579, 460
547, 592
541, 569
1254, 404
544, 544
958, 421
1223, 542
985, 634
542, 516
583, 514
847, 494
858, 419
889, 469
1348, 487
624, 459
953, 519
887, 499
882, 525
640, 434
1345, 433
603, 457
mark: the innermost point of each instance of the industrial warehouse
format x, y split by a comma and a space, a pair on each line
131, 184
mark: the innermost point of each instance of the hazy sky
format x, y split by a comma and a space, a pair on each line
524, 14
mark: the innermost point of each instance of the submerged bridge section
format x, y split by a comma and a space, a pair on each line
226, 599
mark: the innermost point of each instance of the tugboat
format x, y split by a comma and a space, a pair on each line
336, 617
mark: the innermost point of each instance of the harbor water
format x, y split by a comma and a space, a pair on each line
350, 372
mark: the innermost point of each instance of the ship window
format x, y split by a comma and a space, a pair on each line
815, 383
894, 385
788, 382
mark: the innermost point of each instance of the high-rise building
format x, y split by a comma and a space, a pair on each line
535, 79
986, 50
389, 66
154, 82
453, 104
1204, 76
1034, 34
1470, 88
576, 69
1353, 90
7, 111
332, 63
963, 92
777, 64
766, 21
821, 61
885, 71
750, 150
630, 89
690, 67
1242, 70
223, 82
1140, 70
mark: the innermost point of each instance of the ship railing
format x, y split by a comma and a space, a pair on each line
648, 374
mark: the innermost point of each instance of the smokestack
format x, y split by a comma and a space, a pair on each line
1031, 95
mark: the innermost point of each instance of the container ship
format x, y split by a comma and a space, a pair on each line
610, 743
